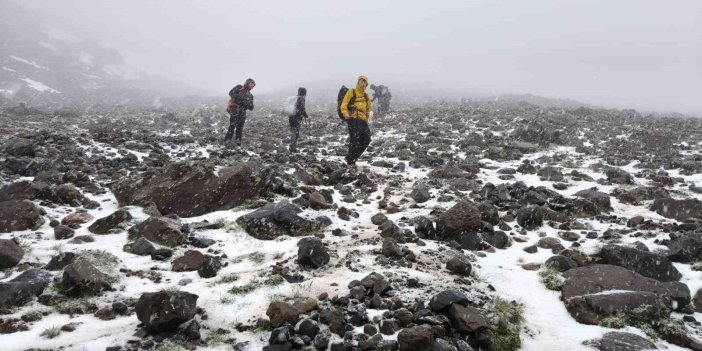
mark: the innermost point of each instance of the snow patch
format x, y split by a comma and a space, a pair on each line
58, 34
28, 62
39, 86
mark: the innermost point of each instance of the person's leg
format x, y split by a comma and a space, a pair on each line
294, 133
364, 138
230, 130
353, 141
239, 128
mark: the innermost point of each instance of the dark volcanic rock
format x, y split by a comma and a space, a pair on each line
645, 263
193, 189
276, 219
22, 288
560, 263
593, 308
619, 341
685, 248
191, 260
63, 232
10, 253
312, 252
280, 312
83, 279
420, 194
60, 261
460, 223
446, 298
160, 230
165, 310
16, 215
416, 338
597, 197
106, 224
142, 247
20, 147
467, 319
460, 265
677, 209
530, 217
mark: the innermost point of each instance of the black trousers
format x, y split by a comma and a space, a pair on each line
236, 124
295, 122
359, 138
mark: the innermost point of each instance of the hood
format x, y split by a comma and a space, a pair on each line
358, 81
301, 91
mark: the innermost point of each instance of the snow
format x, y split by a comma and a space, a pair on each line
61, 35
28, 62
123, 71
39, 86
85, 58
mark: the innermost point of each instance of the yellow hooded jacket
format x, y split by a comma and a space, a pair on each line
361, 105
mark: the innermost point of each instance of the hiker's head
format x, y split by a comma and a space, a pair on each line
372, 86
301, 91
250, 84
362, 82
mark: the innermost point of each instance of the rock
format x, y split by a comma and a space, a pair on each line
446, 298
142, 247
308, 327
391, 248
77, 218
593, 308
202, 242
205, 190
424, 227
467, 319
209, 267
460, 265
643, 262
685, 248
442, 345
635, 221
69, 194
531, 249
305, 306
321, 341
276, 219
312, 252
60, 261
192, 260
280, 312
279, 336
20, 147
550, 173
619, 341
416, 338
334, 318
677, 209
82, 279
404, 317
10, 253
160, 230
63, 232
24, 287
548, 243
584, 292
379, 218
318, 201
106, 224
569, 236
497, 239
697, 300
460, 223
16, 215
420, 194
389, 326
618, 176
530, 217
165, 310
560, 263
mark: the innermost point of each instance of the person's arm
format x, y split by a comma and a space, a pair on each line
301, 107
246, 100
345, 104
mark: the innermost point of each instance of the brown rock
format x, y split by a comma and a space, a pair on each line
192, 260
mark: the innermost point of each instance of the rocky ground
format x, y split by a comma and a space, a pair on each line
474, 226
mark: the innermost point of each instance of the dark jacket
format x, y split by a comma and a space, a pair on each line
242, 98
300, 104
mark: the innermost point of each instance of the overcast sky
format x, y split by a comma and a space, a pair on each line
645, 54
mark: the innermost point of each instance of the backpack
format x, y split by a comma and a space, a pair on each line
230, 105
289, 105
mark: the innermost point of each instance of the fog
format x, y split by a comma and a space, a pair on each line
639, 54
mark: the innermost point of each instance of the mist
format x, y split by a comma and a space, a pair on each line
626, 54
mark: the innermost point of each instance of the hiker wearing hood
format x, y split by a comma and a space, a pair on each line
241, 100
296, 118
356, 108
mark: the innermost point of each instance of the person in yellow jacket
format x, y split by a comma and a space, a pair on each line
356, 108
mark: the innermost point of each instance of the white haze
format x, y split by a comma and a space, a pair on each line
644, 54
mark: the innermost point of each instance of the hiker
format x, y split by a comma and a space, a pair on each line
355, 109
382, 94
296, 118
240, 101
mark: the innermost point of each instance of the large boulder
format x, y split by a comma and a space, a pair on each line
620, 341
20, 147
22, 288
159, 230
460, 223
16, 215
530, 217
165, 310
645, 263
594, 292
597, 197
618, 176
192, 260
276, 219
10, 253
280, 312
82, 279
193, 189
417, 338
312, 252
467, 319
443, 300
685, 248
677, 209
105, 225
